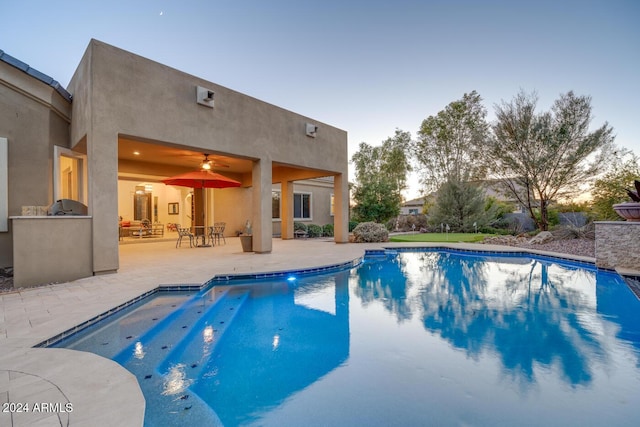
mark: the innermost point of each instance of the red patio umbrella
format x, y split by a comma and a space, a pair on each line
202, 179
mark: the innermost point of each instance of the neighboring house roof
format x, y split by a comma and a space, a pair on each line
8, 59
415, 202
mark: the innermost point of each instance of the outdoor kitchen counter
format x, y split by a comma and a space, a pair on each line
51, 249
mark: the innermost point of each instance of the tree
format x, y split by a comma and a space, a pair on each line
381, 175
610, 188
540, 157
395, 155
460, 205
450, 144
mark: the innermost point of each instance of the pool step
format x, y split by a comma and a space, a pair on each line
165, 383
157, 341
195, 347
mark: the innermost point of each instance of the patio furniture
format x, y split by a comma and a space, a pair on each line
200, 232
184, 232
217, 232
157, 229
301, 231
142, 230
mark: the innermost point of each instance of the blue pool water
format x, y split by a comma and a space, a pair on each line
406, 339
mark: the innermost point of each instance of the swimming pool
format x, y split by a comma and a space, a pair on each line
408, 338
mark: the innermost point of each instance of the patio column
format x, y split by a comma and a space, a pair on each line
341, 208
262, 222
286, 215
102, 158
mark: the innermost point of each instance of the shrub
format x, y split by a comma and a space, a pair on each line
327, 230
370, 232
406, 222
572, 232
314, 230
299, 226
352, 225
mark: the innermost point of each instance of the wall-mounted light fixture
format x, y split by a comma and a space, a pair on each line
204, 96
311, 130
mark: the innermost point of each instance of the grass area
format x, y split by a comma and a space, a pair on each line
439, 237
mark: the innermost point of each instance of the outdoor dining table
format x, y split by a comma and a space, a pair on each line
203, 244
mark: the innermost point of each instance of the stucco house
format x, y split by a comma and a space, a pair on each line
412, 207
122, 125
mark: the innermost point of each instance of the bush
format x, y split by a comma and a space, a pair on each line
367, 232
299, 226
327, 230
352, 225
572, 232
406, 223
314, 230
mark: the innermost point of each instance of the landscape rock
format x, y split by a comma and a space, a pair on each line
542, 238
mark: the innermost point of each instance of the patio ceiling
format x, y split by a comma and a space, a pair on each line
168, 160
158, 154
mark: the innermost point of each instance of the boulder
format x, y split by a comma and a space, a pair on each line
542, 237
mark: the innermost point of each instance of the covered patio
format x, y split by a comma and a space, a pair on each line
144, 164
124, 124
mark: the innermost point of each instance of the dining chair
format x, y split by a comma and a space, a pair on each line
184, 232
218, 231
211, 236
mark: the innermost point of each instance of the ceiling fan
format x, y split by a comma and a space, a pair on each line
208, 164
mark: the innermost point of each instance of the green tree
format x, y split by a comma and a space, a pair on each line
610, 188
541, 157
376, 201
381, 175
395, 156
460, 205
450, 144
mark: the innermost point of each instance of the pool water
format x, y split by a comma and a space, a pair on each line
409, 338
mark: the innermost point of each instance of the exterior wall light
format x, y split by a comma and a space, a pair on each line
204, 96
311, 130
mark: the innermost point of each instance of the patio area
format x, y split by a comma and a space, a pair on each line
93, 385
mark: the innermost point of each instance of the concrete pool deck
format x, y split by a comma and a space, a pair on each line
93, 391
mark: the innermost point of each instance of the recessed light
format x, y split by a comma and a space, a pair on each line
136, 153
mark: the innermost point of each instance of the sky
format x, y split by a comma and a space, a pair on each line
368, 67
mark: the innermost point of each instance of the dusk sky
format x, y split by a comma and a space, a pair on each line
365, 66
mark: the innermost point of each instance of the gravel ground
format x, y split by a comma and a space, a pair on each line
580, 247
6, 283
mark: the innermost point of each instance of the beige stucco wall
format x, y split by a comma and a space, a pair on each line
321, 192
34, 118
119, 93
51, 249
618, 244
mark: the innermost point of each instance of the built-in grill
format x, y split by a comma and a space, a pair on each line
67, 207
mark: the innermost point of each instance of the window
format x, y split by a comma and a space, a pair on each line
333, 205
413, 211
141, 204
302, 206
275, 205
69, 170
